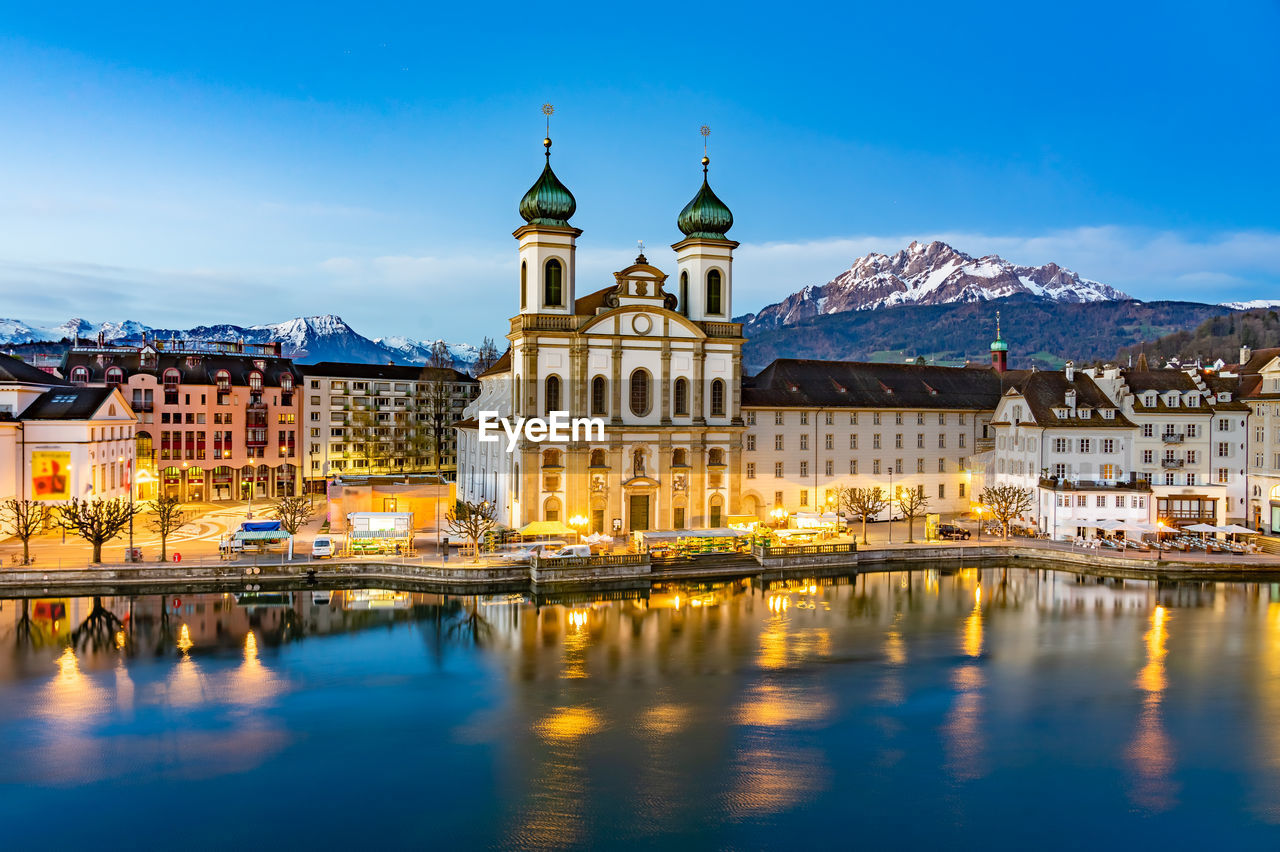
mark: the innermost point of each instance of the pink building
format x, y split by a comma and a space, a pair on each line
216, 421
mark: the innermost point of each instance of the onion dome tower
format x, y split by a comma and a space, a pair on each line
704, 258
547, 242
999, 350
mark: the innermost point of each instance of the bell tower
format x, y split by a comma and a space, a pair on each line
704, 258
547, 242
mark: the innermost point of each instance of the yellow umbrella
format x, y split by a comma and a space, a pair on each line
546, 528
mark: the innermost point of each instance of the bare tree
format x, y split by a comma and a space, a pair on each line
1006, 502
96, 521
488, 356
166, 518
863, 503
911, 502
438, 400
471, 521
24, 518
293, 512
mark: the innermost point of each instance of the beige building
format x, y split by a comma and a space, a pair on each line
1260, 389
381, 419
815, 426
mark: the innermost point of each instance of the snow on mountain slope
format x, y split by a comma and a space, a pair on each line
930, 274
1251, 305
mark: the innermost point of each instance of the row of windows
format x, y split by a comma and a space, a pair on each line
829, 467
553, 288
640, 395
877, 417
779, 441
830, 497
1083, 445
172, 377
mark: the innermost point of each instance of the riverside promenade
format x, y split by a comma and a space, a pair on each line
491, 576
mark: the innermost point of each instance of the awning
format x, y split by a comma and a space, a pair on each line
261, 535
547, 528
672, 535
380, 534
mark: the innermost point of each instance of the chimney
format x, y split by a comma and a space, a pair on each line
1245, 354
1070, 371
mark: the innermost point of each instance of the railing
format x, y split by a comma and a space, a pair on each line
1172, 437
544, 322
805, 549
1055, 484
721, 329
1172, 464
604, 560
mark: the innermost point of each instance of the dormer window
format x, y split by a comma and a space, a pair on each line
79, 375
115, 376
1086, 413
1149, 400
223, 380
1171, 400
172, 378
1193, 401
255, 382
1108, 414
286, 383
261, 365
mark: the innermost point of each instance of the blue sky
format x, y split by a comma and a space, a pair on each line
253, 162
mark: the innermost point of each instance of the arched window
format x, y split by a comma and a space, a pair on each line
684, 293
553, 393
551, 509
640, 393
286, 383
678, 458
597, 459
552, 284
79, 375
524, 285
172, 376
681, 395
713, 292
599, 400
115, 376
223, 380
717, 398
255, 382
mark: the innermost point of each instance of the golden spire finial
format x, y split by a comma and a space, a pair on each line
705, 130
997, 325
548, 110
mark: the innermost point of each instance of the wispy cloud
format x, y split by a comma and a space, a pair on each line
465, 295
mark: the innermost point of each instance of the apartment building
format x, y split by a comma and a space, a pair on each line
815, 426
381, 419
1190, 440
1259, 377
215, 420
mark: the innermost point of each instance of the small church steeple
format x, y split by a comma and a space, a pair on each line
999, 350
548, 243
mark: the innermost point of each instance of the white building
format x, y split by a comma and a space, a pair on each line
58, 441
1259, 374
662, 369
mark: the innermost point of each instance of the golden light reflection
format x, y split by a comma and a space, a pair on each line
1150, 755
568, 724
770, 705
185, 644
962, 731
252, 682
121, 639
664, 720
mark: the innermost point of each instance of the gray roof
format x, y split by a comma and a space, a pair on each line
789, 382
15, 370
67, 403
384, 372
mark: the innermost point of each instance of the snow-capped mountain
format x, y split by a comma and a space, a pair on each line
930, 274
1252, 304
308, 339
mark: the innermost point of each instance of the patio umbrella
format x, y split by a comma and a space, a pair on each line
1202, 528
1109, 526
1237, 529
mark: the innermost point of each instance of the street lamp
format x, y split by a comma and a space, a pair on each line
779, 516
579, 523
980, 509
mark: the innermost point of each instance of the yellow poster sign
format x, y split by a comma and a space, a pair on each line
51, 475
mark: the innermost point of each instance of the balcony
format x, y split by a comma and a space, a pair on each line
1172, 464
1055, 484
544, 322
1172, 438
721, 329
255, 415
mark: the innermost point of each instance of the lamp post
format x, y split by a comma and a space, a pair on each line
980, 510
579, 523
891, 496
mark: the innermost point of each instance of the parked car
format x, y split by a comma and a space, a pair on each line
951, 531
521, 553
573, 550
322, 547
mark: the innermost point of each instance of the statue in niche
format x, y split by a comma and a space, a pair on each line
638, 463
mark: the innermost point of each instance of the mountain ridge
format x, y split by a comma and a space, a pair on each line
928, 274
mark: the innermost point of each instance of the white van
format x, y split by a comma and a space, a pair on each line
573, 550
322, 547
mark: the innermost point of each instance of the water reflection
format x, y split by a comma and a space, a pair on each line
642, 716
1150, 755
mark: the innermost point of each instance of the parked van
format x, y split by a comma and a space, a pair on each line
322, 547
573, 550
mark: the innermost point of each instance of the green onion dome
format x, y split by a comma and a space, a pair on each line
706, 216
548, 202
999, 346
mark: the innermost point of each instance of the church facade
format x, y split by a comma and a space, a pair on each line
656, 358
